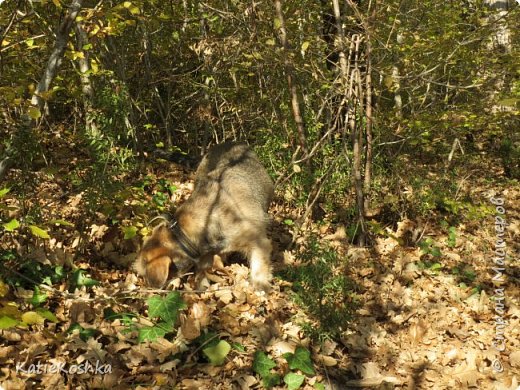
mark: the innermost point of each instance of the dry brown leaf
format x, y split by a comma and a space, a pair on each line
417, 331
196, 384
224, 295
81, 313
245, 381
327, 361
514, 359
190, 327
278, 347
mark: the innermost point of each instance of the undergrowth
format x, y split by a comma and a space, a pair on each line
320, 286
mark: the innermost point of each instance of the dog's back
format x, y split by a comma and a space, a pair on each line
235, 170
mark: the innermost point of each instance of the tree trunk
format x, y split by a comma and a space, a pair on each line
86, 83
293, 90
4, 166
369, 122
499, 41
62, 37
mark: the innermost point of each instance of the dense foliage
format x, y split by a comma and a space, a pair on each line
370, 116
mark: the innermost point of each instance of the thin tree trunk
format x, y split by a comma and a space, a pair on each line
358, 153
86, 82
295, 100
501, 41
398, 100
369, 123
5, 164
62, 37
357, 95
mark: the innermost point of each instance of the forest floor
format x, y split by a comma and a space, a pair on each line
422, 318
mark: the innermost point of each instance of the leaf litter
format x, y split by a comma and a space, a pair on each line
419, 325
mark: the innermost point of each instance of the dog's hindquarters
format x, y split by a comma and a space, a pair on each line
245, 192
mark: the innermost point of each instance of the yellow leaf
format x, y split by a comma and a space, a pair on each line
39, 232
4, 289
134, 10
10, 309
144, 231
57, 3
31, 317
95, 30
5, 42
94, 66
127, 4
34, 112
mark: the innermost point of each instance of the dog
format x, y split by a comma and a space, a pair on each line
227, 212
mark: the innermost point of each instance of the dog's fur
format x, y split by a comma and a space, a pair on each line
227, 212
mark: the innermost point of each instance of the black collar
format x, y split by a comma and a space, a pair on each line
184, 242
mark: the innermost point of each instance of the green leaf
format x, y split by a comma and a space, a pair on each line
435, 251
48, 315
87, 333
271, 380
12, 225
4, 191
167, 308
150, 333
31, 318
208, 339
37, 297
34, 112
300, 360
305, 46
129, 232
510, 102
436, 266
7, 322
217, 354
38, 232
60, 222
239, 347
293, 381
262, 364
319, 386
84, 333
288, 222
79, 279
452, 237
110, 315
